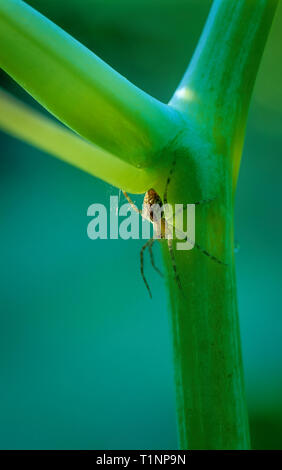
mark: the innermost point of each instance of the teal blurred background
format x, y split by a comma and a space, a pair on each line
86, 358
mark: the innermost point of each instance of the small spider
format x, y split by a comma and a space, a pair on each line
162, 229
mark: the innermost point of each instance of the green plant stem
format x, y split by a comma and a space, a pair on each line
214, 95
80, 89
217, 86
207, 352
23, 122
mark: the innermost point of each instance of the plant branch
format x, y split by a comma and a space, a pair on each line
218, 84
80, 89
23, 122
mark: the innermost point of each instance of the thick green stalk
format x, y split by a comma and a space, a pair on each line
208, 364
214, 95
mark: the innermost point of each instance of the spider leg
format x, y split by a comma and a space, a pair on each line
147, 244
184, 208
134, 207
171, 171
213, 258
150, 246
171, 252
205, 252
203, 201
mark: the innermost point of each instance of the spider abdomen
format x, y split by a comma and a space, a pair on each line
151, 197
151, 201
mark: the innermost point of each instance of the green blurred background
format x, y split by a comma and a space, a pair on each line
86, 358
